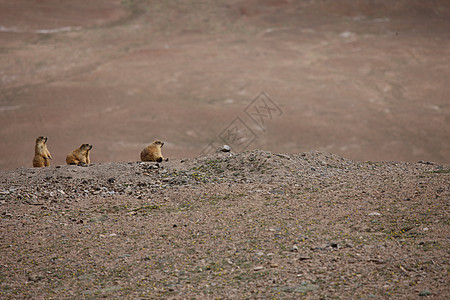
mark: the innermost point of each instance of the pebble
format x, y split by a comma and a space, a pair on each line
258, 268
303, 257
225, 148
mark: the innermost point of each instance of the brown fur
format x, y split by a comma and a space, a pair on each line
79, 156
153, 152
42, 156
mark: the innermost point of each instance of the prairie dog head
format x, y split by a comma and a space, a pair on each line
41, 140
85, 147
158, 143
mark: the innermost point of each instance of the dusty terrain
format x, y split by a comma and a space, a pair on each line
364, 79
232, 226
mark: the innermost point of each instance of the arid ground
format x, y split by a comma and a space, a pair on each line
253, 225
368, 80
337, 112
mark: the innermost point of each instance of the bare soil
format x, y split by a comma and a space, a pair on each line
227, 226
366, 80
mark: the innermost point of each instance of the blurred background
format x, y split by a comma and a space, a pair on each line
368, 80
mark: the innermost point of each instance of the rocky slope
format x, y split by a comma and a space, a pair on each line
250, 225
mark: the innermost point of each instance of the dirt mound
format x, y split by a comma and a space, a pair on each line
254, 224
255, 167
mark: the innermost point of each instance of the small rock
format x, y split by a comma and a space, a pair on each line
425, 162
35, 278
225, 148
258, 268
375, 214
283, 156
304, 257
294, 249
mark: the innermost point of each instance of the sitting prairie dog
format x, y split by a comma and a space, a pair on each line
79, 156
153, 152
42, 156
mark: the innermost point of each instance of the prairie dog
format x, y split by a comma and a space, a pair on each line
153, 152
79, 156
42, 156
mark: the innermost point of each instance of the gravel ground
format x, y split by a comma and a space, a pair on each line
227, 226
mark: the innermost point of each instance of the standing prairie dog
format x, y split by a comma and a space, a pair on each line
41, 154
153, 152
79, 156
